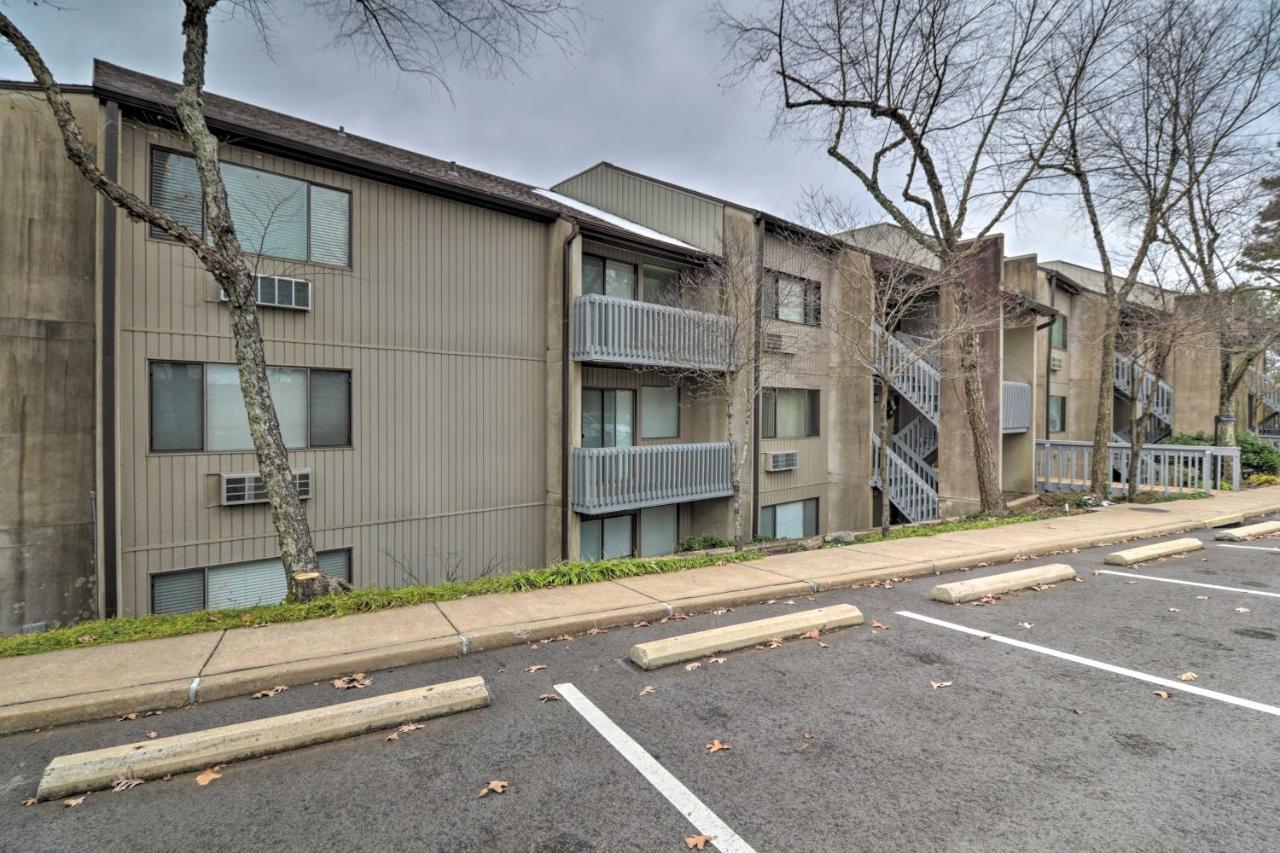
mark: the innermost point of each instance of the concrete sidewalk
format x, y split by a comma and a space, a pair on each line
101, 681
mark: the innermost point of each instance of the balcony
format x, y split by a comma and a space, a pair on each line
1016, 412
617, 479
609, 330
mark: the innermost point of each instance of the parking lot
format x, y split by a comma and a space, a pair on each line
920, 735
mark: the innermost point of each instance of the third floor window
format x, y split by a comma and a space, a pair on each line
275, 215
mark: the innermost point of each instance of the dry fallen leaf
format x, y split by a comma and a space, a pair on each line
1242, 610
1097, 571
403, 729
72, 802
680, 616
269, 692
774, 642
1027, 625
549, 697
132, 716
153, 735
772, 601
823, 645
495, 786
1163, 694
813, 635
29, 801
209, 775
720, 611
807, 735
1188, 676
594, 631
690, 667
1174, 610
788, 601
877, 624
640, 624
1078, 711
357, 680
715, 660
716, 746
535, 667
697, 842
124, 783
647, 690
938, 685
1202, 598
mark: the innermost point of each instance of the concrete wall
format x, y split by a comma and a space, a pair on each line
47, 416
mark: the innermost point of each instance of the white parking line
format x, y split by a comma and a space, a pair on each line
1189, 583
1247, 547
702, 818
1105, 667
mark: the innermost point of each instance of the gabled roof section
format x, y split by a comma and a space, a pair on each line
1094, 281
256, 127
636, 228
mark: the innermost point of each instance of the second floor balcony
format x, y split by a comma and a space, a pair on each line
609, 330
618, 479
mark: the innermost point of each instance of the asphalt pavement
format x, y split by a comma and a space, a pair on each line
845, 747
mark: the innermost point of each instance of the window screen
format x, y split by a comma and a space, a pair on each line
1057, 413
592, 274
330, 408
659, 412
175, 189
177, 406
661, 285
269, 211
330, 226
177, 592
227, 423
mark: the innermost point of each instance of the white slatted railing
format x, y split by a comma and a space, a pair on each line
616, 479
1015, 414
610, 330
908, 491
920, 435
1136, 382
911, 375
1063, 466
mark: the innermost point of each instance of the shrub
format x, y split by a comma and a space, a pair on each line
1256, 455
703, 542
1263, 480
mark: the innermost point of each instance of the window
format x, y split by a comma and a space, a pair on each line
608, 417
1058, 332
235, 584
199, 407
275, 215
1057, 413
795, 520
794, 300
659, 412
661, 285
658, 531
607, 538
608, 277
789, 413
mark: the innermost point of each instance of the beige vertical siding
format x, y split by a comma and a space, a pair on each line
693, 218
441, 319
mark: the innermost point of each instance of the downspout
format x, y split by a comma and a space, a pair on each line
107, 379
566, 291
756, 348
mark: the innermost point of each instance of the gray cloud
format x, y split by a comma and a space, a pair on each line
646, 92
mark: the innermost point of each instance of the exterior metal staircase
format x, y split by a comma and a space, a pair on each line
912, 480
1139, 384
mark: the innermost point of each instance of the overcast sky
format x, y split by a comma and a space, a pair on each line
646, 91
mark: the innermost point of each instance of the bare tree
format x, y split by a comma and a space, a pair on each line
1179, 89
415, 35
928, 105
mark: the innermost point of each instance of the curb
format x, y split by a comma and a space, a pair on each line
1146, 553
975, 588
64, 710
659, 653
1225, 520
90, 771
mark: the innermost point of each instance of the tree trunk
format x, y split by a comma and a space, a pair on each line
886, 512
1100, 467
1135, 451
990, 495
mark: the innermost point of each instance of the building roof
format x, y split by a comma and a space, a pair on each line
1094, 281
254, 126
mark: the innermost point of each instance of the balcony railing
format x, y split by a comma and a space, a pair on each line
623, 331
1016, 412
617, 479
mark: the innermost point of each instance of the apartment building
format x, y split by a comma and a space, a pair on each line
1181, 393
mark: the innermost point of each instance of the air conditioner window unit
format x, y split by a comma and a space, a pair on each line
777, 342
787, 460
1055, 362
278, 291
245, 489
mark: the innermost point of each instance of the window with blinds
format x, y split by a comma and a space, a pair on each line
200, 407
789, 413
234, 585
275, 215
